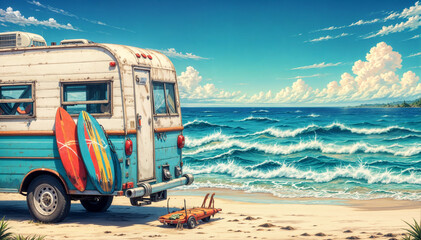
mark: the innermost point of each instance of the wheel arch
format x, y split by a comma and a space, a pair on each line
30, 176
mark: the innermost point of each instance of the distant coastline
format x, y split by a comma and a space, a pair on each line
404, 104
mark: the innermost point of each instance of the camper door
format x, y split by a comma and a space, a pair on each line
145, 143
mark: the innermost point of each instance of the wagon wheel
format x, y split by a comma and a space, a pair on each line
191, 222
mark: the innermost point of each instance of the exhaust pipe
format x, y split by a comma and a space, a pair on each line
145, 189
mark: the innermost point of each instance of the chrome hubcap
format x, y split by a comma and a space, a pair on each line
45, 199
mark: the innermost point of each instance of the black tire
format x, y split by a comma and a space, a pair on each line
47, 200
134, 201
97, 204
191, 222
206, 219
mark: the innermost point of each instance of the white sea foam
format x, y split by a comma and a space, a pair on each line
315, 144
313, 127
228, 153
368, 131
286, 133
260, 111
201, 122
404, 137
251, 118
411, 151
194, 122
278, 190
361, 172
216, 136
313, 115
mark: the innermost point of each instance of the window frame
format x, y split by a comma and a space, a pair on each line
73, 82
24, 100
167, 113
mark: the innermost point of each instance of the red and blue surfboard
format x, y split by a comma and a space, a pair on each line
68, 148
96, 153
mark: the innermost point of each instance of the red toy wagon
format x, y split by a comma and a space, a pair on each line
191, 216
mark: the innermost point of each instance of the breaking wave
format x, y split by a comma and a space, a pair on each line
260, 111
334, 127
306, 152
310, 145
217, 136
361, 172
312, 128
259, 119
407, 137
203, 124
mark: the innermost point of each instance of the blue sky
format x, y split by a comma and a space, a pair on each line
253, 53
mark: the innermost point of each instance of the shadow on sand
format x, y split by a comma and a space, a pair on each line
116, 215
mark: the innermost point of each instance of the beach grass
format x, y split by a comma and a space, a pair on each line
21, 237
4, 228
414, 231
5, 233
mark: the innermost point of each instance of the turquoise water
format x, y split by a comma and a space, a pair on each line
346, 153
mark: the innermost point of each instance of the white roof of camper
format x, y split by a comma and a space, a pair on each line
129, 55
124, 55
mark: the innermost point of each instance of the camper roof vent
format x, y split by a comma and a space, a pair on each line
75, 41
20, 39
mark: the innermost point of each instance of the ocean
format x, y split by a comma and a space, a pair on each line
341, 153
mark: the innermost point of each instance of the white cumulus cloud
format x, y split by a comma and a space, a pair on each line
412, 11
328, 37
414, 37
415, 54
308, 76
53, 9
68, 14
412, 23
364, 22
11, 16
191, 88
171, 52
317, 65
374, 78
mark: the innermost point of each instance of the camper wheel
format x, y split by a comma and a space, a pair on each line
191, 222
47, 200
97, 204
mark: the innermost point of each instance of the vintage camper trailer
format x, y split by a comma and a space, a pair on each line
132, 93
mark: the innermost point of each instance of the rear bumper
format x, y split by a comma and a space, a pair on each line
146, 189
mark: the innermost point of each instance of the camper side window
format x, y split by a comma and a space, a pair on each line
164, 98
92, 97
17, 100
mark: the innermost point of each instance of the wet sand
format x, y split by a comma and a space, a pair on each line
283, 219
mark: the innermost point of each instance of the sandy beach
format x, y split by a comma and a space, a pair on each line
284, 219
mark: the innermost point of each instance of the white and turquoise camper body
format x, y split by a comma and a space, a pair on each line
133, 94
